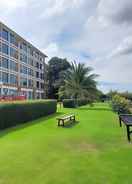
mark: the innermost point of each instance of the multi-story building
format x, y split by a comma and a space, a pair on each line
22, 66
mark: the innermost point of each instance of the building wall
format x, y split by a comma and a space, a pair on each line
21, 66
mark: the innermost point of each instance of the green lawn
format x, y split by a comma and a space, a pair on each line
94, 151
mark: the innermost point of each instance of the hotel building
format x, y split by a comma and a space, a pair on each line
22, 66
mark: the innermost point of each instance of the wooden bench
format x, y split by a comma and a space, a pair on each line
62, 119
127, 120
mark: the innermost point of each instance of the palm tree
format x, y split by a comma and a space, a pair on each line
79, 82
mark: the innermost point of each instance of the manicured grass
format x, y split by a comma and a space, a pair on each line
94, 151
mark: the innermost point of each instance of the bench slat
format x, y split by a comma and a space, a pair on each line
65, 117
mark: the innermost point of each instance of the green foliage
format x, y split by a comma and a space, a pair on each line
12, 114
83, 101
79, 83
56, 69
72, 103
120, 104
127, 95
69, 103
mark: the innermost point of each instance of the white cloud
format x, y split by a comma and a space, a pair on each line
52, 50
85, 30
59, 7
124, 48
10, 5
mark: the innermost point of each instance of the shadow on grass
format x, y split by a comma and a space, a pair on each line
28, 124
70, 124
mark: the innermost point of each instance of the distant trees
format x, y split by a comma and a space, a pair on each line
55, 71
127, 95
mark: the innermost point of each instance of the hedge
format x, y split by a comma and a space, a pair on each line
69, 103
120, 104
72, 103
15, 113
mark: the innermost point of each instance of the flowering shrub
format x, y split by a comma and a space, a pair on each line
120, 104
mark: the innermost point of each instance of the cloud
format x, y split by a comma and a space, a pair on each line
9, 6
125, 47
52, 50
118, 12
97, 32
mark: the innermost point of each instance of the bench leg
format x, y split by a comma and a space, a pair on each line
74, 118
63, 123
128, 133
120, 122
58, 122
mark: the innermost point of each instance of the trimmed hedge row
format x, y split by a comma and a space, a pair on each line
15, 113
71, 103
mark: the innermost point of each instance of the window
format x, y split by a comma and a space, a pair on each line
0, 76
13, 53
37, 84
13, 79
42, 76
13, 40
23, 82
30, 95
37, 55
5, 91
13, 66
30, 61
0, 33
42, 85
12, 92
23, 58
31, 51
0, 46
5, 34
5, 63
37, 74
5, 48
37, 65
23, 46
41, 66
30, 83
5, 77
30, 72
23, 69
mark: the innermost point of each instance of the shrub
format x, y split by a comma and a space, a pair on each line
120, 104
15, 113
69, 103
72, 103
82, 101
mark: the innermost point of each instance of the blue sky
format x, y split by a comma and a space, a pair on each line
96, 32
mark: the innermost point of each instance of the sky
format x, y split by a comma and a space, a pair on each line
95, 32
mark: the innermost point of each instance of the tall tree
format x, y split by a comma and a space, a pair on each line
56, 68
79, 82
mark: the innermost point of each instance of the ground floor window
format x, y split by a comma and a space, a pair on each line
30, 95
12, 92
5, 91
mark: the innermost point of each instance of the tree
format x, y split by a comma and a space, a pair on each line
79, 83
56, 68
